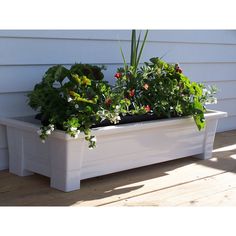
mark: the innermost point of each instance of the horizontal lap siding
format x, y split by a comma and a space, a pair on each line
194, 36
205, 56
21, 51
14, 104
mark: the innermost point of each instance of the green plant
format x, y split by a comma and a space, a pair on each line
128, 76
135, 52
163, 90
160, 88
76, 99
175, 94
71, 100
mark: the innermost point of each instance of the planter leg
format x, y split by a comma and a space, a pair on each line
16, 152
65, 182
66, 165
4, 160
209, 140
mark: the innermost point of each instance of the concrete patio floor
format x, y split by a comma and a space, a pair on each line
184, 182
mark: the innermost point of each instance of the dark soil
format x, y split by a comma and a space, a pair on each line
128, 119
124, 120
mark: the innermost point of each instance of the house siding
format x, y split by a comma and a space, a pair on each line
207, 56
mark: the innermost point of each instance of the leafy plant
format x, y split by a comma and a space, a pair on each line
162, 90
71, 100
76, 99
136, 52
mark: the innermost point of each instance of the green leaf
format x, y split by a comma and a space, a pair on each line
200, 121
77, 97
60, 73
141, 50
125, 64
198, 106
133, 48
136, 53
75, 78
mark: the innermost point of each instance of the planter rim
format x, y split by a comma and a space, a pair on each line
29, 123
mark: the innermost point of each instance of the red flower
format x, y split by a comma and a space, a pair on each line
147, 108
178, 69
118, 75
108, 101
131, 92
146, 86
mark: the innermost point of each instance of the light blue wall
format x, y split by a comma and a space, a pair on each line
205, 56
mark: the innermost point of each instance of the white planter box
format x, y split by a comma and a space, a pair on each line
67, 161
3, 148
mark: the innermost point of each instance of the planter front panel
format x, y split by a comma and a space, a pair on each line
122, 151
4, 161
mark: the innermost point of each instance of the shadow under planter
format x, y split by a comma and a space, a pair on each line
67, 161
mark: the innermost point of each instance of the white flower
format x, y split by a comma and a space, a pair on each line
78, 132
118, 118
69, 99
117, 107
211, 101
76, 106
51, 127
43, 141
205, 91
91, 148
73, 129
76, 136
93, 139
39, 132
214, 100
48, 132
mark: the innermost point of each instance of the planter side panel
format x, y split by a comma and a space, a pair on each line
17, 160
142, 147
56, 158
36, 153
4, 160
